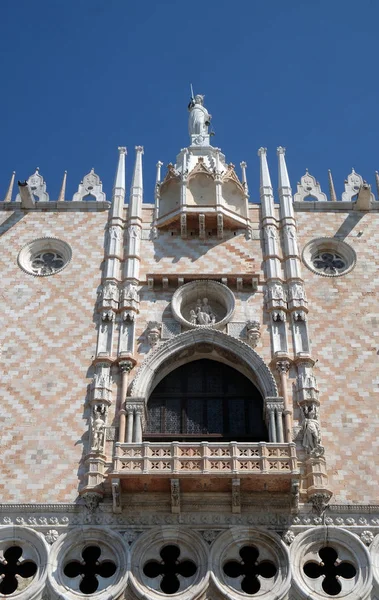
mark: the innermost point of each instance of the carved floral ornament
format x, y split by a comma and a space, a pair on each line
44, 256
329, 257
203, 303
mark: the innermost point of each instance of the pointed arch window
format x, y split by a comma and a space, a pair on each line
203, 400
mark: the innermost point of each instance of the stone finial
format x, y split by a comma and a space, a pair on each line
136, 189
62, 193
284, 181
243, 166
332, 191
8, 195
159, 165
119, 182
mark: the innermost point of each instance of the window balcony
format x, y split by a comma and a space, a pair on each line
186, 459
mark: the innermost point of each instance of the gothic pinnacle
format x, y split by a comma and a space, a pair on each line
8, 195
62, 193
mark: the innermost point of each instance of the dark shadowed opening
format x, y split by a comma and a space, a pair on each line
205, 399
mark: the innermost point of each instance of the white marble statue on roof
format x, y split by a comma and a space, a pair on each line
199, 120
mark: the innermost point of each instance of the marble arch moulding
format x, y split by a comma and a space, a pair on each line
202, 343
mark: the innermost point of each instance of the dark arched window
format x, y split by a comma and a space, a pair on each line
203, 400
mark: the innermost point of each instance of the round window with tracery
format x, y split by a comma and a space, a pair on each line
329, 263
45, 256
329, 257
47, 263
330, 562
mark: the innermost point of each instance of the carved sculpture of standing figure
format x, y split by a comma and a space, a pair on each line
311, 429
97, 430
199, 118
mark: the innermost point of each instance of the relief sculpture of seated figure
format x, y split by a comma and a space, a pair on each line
203, 313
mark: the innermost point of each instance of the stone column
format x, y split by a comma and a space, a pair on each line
282, 367
125, 367
271, 420
138, 426
129, 432
279, 424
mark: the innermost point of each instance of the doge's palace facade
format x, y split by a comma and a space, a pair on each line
190, 385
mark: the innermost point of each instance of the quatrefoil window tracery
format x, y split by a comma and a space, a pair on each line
13, 570
329, 263
169, 568
250, 569
331, 568
90, 568
47, 263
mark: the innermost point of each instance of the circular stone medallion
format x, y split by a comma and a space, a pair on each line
203, 304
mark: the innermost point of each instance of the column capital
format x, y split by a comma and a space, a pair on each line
126, 365
283, 366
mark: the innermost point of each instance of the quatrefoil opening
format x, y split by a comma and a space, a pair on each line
13, 569
169, 568
331, 569
90, 569
250, 569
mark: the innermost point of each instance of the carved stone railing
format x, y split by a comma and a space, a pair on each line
186, 458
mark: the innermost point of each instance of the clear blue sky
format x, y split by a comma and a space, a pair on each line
81, 77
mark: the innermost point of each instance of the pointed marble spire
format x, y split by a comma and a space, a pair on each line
159, 166
266, 193
136, 191
8, 195
284, 181
377, 182
264, 172
118, 196
332, 191
62, 193
285, 192
243, 166
119, 182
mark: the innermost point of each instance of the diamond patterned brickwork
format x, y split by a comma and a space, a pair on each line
171, 254
344, 332
47, 341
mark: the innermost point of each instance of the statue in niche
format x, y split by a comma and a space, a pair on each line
277, 292
115, 233
134, 231
271, 232
98, 428
199, 117
203, 313
110, 291
311, 431
130, 292
297, 292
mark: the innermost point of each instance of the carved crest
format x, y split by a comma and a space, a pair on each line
308, 186
90, 186
37, 186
